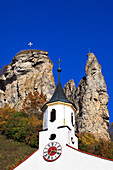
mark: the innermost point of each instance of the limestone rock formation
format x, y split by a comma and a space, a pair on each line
69, 90
91, 100
30, 70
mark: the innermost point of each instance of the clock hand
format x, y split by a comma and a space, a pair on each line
55, 151
49, 154
48, 157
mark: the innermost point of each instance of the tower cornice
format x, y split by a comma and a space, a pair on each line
57, 103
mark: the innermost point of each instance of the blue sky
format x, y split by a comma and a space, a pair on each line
64, 28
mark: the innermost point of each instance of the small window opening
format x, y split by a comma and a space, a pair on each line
72, 119
53, 115
52, 137
72, 140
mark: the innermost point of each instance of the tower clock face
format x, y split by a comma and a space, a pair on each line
52, 151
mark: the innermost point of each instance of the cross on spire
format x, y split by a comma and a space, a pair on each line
59, 62
30, 44
59, 69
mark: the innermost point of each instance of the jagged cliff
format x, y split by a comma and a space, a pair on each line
91, 101
30, 70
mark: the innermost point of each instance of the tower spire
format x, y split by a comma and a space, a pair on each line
59, 69
59, 94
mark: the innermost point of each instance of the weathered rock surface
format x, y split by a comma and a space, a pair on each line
30, 70
69, 90
91, 100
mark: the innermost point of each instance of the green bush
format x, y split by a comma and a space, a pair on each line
20, 126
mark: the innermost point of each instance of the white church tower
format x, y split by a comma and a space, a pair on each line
58, 145
58, 125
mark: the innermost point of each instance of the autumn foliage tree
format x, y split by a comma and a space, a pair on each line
89, 144
23, 126
33, 103
5, 115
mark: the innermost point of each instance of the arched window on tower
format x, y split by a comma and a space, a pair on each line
53, 115
72, 119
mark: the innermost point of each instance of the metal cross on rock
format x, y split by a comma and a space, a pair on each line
89, 50
30, 44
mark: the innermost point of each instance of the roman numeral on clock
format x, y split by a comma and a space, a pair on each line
46, 155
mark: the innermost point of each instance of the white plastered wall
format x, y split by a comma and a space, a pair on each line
69, 159
62, 112
63, 118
